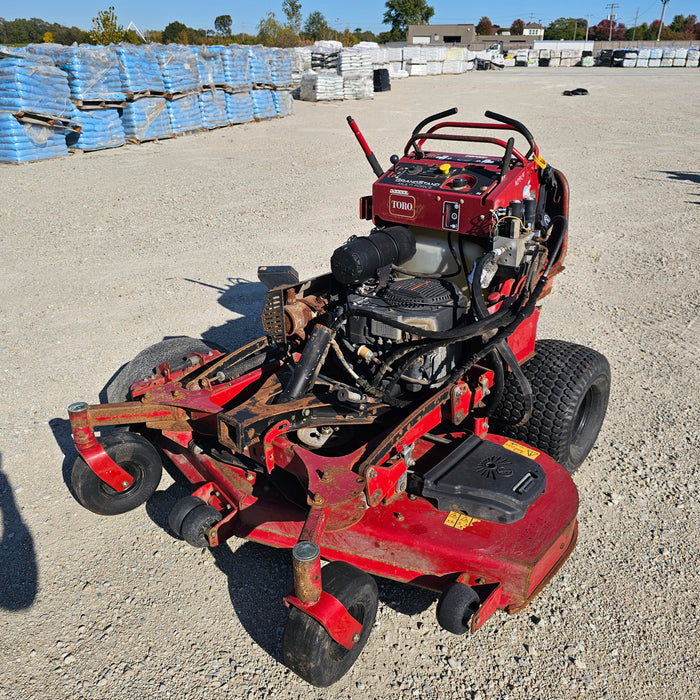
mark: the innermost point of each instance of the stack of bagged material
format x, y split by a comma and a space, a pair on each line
415, 66
259, 65
236, 68
693, 57
263, 104
22, 142
210, 66
212, 103
146, 119
454, 67
321, 85
239, 107
521, 58
555, 58
643, 57
377, 54
139, 71
587, 59
178, 65
281, 68
324, 57
655, 56
604, 57
185, 114
381, 80
40, 88
630, 59
301, 62
668, 56
413, 53
434, 58
509, 61
681, 57
284, 102
93, 73
543, 58
358, 76
100, 128
533, 60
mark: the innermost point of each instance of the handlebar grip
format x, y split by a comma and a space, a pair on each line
516, 125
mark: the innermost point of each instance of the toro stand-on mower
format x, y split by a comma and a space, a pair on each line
358, 430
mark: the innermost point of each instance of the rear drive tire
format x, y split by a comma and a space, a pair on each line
570, 386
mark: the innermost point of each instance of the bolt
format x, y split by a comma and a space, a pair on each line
125, 484
400, 517
250, 476
371, 473
356, 638
318, 498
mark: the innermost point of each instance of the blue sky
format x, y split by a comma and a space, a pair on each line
359, 13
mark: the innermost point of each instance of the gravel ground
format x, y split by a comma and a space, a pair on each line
104, 254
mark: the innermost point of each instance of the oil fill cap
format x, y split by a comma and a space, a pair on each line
445, 167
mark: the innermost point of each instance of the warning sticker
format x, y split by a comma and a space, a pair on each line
459, 521
521, 449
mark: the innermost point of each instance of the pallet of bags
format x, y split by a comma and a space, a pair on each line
630, 59
259, 66
281, 68
681, 57
21, 142
146, 119
325, 55
212, 104
543, 58
210, 66
185, 114
263, 104
236, 68
454, 67
139, 71
693, 57
100, 128
416, 66
381, 79
321, 85
301, 62
239, 107
668, 56
33, 84
284, 102
358, 75
93, 73
509, 61
178, 65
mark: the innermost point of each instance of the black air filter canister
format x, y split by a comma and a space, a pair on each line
358, 260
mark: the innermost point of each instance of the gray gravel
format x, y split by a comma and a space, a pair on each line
107, 253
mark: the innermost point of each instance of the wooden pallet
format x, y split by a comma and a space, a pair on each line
137, 94
182, 93
98, 104
47, 120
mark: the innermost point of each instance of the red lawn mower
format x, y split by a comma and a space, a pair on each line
397, 419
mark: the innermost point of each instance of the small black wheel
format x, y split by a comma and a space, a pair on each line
180, 511
173, 350
308, 649
456, 607
135, 455
570, 385
197, 523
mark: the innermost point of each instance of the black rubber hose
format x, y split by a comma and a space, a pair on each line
307, 369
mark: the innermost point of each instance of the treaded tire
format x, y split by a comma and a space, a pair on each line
172, 350
134, 454
571, 386
308, 649
456, 607
197, 523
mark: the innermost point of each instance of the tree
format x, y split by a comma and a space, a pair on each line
485, 27
48, 37
105, 28
564, 28
292, 11
517, 28
400, 13
602, 31
317, 28
222, 24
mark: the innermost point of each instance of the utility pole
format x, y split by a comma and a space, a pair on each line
575, 28
611, 16
634, 30
661, 23
588, 22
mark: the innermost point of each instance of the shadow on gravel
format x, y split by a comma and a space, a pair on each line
18, 568
683, 177
60, 427
243, 297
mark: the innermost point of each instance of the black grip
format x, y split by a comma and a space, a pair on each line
434, 117
516, 125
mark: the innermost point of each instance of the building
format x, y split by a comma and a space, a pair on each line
440, 34
536, 31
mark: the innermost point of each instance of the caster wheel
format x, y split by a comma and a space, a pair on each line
135, 455
308, 649
180, 511
456, 607
197, 523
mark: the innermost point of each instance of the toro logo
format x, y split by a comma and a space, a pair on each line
402, 205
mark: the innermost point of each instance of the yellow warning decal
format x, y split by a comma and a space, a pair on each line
521, 449
459, 521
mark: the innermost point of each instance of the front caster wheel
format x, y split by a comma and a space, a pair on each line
308, 649
456, 607
135, 455
197, 523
